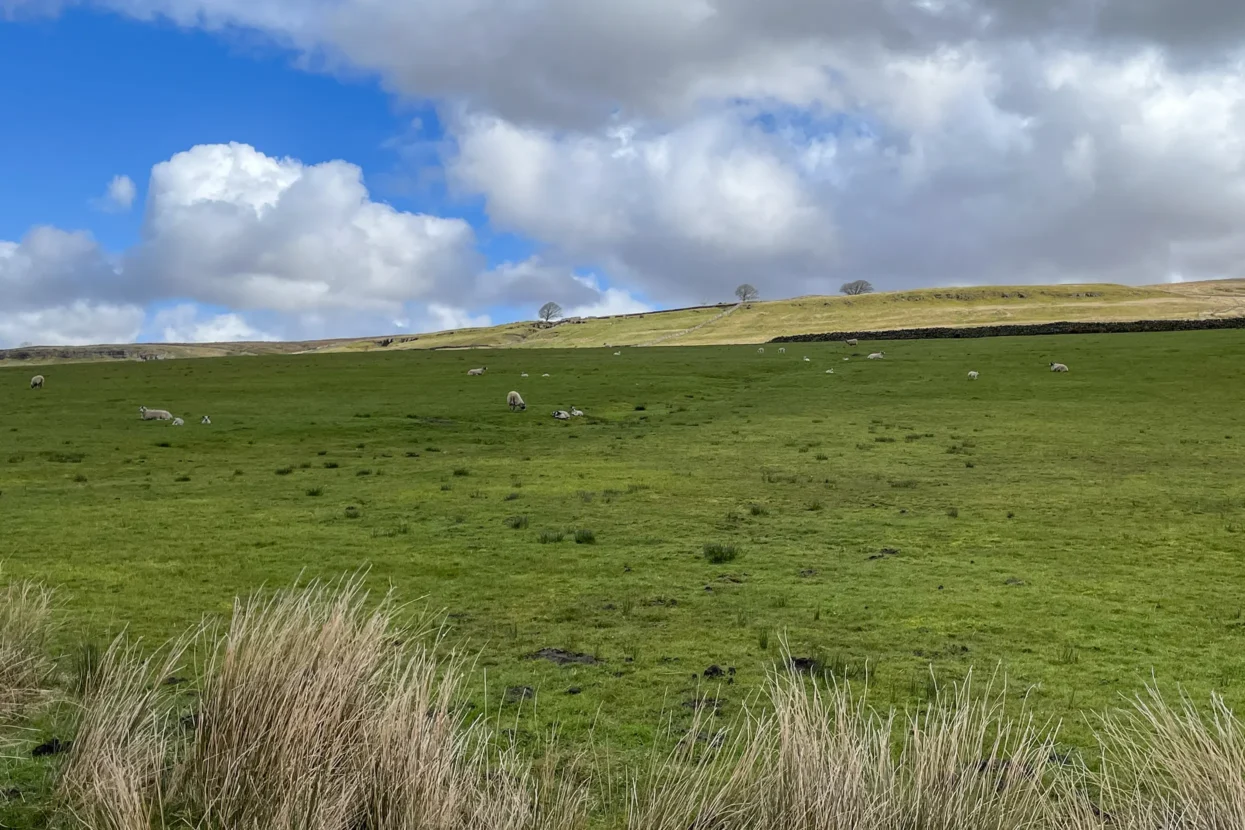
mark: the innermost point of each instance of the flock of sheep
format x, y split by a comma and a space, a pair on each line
516, 403
973, 375
146, 414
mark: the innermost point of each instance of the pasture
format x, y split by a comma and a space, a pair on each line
1081, 531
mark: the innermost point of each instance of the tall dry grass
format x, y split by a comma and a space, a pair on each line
317, 711
25, 626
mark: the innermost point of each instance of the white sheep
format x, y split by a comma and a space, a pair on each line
761, 350
806, 360
561, 414
545, 375
178, 422
479, 371
523, 375
575, 412
782, 350
829, 371
972, 375
852, 342
154, 414
617, 354
877, 356
1058, 367
206, 421
515, 401
36, 382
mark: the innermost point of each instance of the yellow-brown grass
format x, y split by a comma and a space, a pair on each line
25, 624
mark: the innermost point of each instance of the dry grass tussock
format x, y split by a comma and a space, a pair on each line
316, 711
25, 625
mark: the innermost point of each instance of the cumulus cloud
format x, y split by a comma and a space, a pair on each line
119, 196
76, 324
682, 146
185, 323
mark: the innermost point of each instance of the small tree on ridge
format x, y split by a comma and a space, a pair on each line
746, 293
856, 287
549, 310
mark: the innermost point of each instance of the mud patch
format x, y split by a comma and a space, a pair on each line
562, 657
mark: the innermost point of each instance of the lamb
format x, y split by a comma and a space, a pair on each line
576, 413
851, 342
515, 401
206, 421
1058, 367
523, 375
972, 375
617, 354
806, 360
36, 382
877, 356
829, 371
154, 414
561, 414
178, 422
479, 371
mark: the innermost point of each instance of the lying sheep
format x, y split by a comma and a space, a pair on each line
1058, 367
515, 401
561, 414
617, 354
851, 342
154, 414
545, 375
523, 375
575, 412
972, 375
877, 356
206, 421
479, 371
36, 382
178, 422
829, 371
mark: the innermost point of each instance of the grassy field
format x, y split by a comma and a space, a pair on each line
1082, 530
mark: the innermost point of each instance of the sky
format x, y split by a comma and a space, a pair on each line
205, 170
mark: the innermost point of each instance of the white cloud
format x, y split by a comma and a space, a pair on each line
184, 323
75, 324
119, 196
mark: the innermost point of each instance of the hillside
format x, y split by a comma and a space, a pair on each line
752, 323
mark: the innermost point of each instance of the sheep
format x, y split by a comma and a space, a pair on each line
561, 414
972, 375
761, 350
36, 382
806, 360
575, 412
852, 342
515, 401
178, 422
523, 375
1058, 367
206, 421
829, 371
479, 371
545, 375
617, 354
154, 414
782, 350
877, 356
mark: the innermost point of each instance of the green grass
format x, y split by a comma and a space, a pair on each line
1100, 529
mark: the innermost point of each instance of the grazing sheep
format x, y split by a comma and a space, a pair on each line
36, 382
479, 371
178, 422
515, 401
576, 413
761, 350
154, 414
972, 375
877, 356
561, 414
1058, 367
782, 350
851, 342
206, 421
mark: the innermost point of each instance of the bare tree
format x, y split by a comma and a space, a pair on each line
746, 293
855, 287
549, 310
